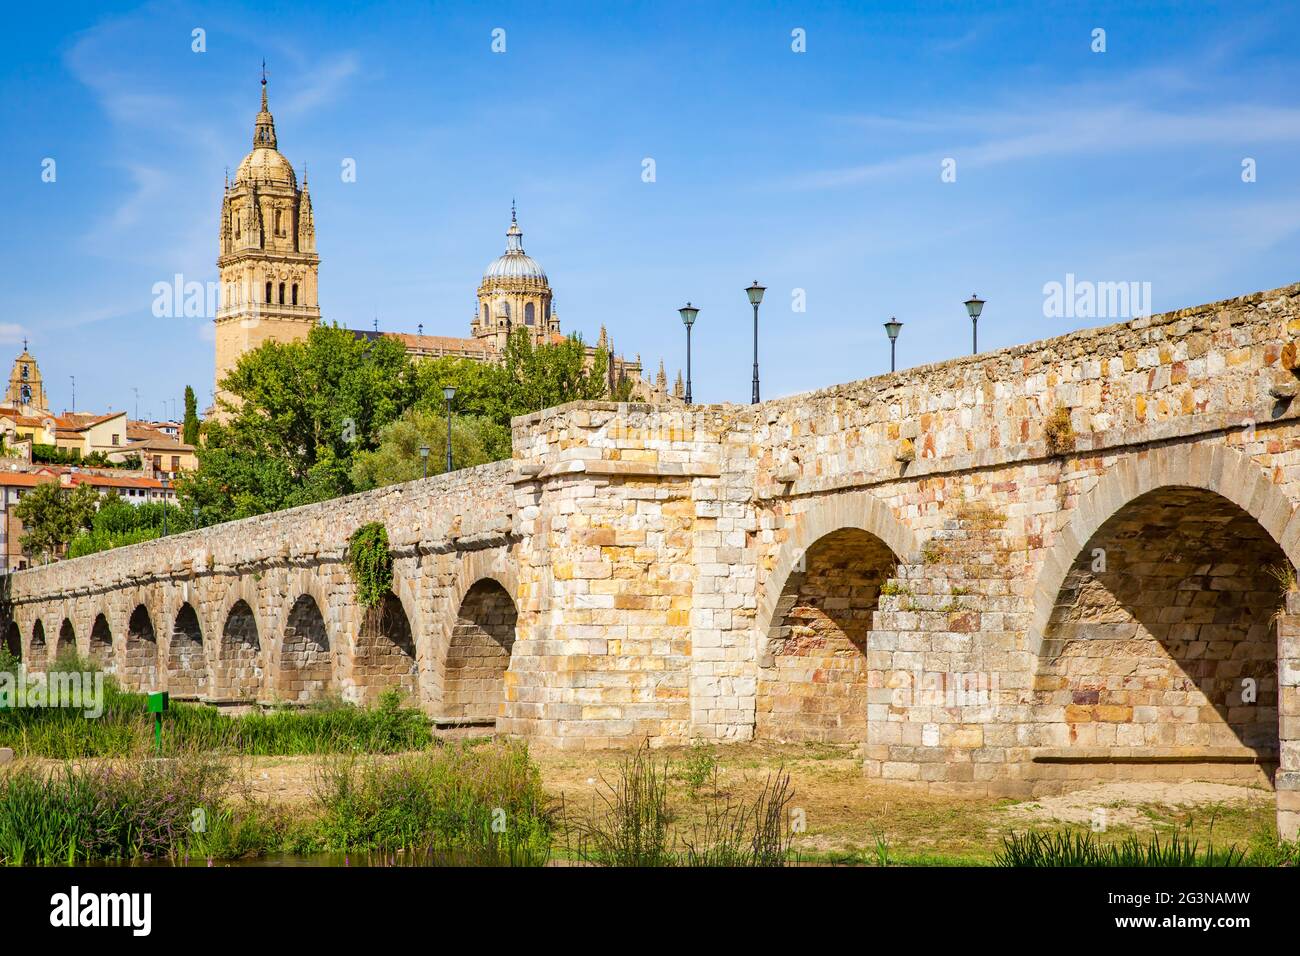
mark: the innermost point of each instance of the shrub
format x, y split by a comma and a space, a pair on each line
1076, 848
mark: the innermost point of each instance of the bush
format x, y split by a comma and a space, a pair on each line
1076, 848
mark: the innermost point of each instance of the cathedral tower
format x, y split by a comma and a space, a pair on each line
268, 262
514, 293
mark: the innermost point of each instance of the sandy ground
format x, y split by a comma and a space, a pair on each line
850, 817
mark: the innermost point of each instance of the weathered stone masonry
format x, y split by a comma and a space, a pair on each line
1058, 563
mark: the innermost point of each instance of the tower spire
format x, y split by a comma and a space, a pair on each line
264, 128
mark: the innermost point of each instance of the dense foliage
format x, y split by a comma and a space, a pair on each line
337, 413
118, 523
371, 563
53, 515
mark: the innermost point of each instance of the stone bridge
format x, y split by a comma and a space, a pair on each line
1016, 572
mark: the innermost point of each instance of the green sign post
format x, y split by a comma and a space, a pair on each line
157, 705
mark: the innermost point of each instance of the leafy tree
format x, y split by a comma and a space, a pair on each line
300, 412
53, 515
398, 456
119, 523
190, 431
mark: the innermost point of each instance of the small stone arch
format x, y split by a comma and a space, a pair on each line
306, 661
39, 652
239, 658
471, 567
140, 666
187, 666
1217, 468
384, 657
14, 640
67, 642
100, 646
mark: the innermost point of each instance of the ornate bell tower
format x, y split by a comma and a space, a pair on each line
268, 262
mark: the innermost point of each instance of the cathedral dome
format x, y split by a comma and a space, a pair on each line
514, 264
263, 165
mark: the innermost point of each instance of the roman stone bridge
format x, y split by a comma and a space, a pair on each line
1063, 562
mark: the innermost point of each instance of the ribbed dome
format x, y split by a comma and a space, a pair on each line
263, 164
514, 264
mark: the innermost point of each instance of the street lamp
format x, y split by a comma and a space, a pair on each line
974, 306
195, 525
424, 459
164, 503
688, 313
449, 392
892, 328
755, 293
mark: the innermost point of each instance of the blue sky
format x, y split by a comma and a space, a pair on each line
817, 171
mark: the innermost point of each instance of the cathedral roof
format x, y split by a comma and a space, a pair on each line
514, 264
265, 164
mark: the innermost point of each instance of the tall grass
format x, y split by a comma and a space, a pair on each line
103, 812
1077, 848
124, 728
633, 823
480, 803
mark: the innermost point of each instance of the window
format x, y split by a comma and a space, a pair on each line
485, 313
176, 463
236, 219
268, 291
157, 462
529, 314
116, 438
295, 293
282, 293
279, 228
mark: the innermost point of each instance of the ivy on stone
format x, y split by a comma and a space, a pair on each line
371, 563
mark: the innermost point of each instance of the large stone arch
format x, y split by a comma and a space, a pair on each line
1216, 468
14, 639
818, 518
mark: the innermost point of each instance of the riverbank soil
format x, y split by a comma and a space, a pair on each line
849, 818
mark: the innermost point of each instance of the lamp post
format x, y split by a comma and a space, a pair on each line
974, 306
195, 525
755, 293
892, 328
424, 459
449, 392
164, 488
688, 313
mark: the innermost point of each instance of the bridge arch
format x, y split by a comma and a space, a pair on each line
1161, 636
475, 684
304, 652
140, 662
820, 517
187, 666
384, 653
14, 640
1217, 468
67, 643
239, 659
39, 652
100, 646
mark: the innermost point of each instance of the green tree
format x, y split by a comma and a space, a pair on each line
299, 413
398, 456
53, 515
190, 432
